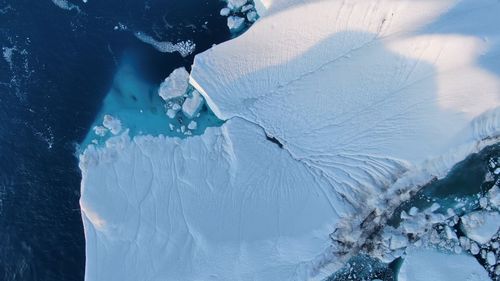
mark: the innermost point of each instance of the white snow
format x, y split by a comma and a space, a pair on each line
481, 226
185, 48
428, 264
175, 85
113, 124
235, 23
192, 125
368, 98
251, 16
192, 104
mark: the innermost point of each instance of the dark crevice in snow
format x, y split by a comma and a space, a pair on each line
274, 140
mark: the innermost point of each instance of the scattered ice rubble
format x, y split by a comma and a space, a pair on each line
177, 94
367, 110
238, 12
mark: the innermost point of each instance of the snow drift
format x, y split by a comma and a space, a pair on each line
330, 107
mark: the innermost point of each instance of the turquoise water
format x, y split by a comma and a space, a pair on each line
136, 103
460, 190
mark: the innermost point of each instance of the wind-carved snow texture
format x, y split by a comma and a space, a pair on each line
366, 100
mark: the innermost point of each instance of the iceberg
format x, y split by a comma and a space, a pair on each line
334, 112
428, 264
175, 85
481, 226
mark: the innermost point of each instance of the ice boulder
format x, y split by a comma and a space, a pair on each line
480, 226
429, 264
175, 85
235, 23
192, 104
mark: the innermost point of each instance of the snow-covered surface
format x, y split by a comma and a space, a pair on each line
227, 205
365, 98
113, 124
481, 226
175, 85
428, 264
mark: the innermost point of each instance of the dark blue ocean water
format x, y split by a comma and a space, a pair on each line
56, 68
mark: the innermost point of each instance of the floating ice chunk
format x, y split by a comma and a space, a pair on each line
235, 23
413, 211
480, 226
192, 104
225, 12
113, 124
252, 16
491, 258
192, 125
100, 131
429, 264
246, 8
474, 248
494, 196
175, 85
185, 48
236, 4
171, 113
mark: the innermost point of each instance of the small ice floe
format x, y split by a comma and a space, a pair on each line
175, 85
172, 111
192, 125
252, 16
225, 12
100, 131
494, 197
480, 226
65, 5
113, 124
235, 23
192, 104
246, 8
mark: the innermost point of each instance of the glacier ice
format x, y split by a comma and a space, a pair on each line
367, 99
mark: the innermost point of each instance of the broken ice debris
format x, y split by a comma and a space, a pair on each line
113, 124
192, 104
480, 226
175, 85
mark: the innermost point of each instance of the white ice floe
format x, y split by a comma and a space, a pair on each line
235, 4
480, 226
235, 23
366, 100
185, 48
428, 264
113, 124
192, 104
251, 16
175, 85
65, 5
225, 12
